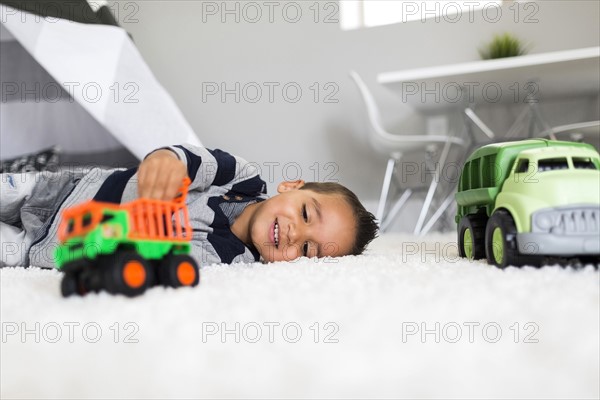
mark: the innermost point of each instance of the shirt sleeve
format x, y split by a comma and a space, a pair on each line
218, 168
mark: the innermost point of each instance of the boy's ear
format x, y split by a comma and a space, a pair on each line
286, 186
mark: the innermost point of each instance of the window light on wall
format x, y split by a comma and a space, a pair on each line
367, 13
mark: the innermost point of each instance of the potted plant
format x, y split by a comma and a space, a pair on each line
501, 46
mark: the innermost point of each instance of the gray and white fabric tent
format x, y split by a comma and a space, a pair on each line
82, 86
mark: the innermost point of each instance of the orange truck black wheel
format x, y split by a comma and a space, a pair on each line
69, 284
178, 270
76, 278
128, 273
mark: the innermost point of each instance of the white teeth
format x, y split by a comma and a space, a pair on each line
276, 234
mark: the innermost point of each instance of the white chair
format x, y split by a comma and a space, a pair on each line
394, 147
586, 132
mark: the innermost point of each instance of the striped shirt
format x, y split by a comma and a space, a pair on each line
222, 186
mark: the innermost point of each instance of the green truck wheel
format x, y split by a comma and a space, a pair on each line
471, 236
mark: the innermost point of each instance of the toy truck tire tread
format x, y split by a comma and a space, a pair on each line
178, 270
501, 242
69, 284
128, 273
471, 228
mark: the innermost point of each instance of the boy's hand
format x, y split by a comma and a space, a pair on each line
160, 175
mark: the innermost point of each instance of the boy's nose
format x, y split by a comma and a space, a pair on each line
293, 233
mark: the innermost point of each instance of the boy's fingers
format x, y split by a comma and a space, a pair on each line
145, 185
150, 182
141, 172
175, 176
174, 184
158, 187
167, 178
142, 176
160, 177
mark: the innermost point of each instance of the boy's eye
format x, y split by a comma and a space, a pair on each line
304, 213
305, 249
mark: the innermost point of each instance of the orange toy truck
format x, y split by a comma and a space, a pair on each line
126, 248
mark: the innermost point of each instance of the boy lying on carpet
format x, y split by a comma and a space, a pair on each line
232, 218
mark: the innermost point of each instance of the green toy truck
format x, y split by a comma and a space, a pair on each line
528, 201
126, 248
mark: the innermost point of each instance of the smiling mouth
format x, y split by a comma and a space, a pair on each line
276, 235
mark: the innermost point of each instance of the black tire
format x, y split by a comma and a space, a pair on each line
502, 251
91, 278
127, 273
590, 260
69, 284
74, 266
178, 270
72, 282
471, 228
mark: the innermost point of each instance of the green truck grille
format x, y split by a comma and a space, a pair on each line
568, 221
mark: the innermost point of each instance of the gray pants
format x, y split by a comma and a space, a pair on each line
28, 206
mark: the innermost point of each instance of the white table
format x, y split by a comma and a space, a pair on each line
526, 79
553, 74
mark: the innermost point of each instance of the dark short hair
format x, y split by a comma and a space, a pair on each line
366, 227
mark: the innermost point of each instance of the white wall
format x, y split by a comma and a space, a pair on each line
186, 52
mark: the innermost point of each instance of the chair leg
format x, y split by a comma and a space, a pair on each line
395, 209
437, 214
387, 180
432, 189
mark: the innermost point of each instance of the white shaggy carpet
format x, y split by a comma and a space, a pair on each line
372, 304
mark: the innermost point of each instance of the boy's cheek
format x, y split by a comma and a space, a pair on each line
332, 249
289, 253
267, 251
286, 253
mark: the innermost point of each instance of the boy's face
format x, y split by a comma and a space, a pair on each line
299, 223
